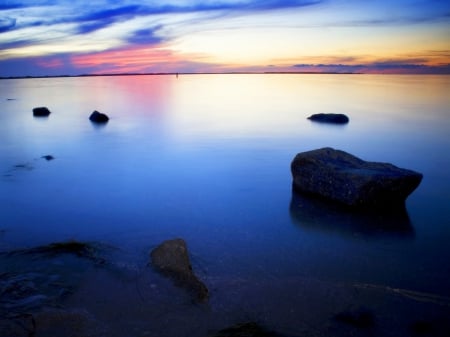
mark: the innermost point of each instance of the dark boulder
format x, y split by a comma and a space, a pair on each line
98, 117
329, 118
41, 112
171, 259
342, 177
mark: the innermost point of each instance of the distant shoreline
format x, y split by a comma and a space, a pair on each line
179, 74
207, 73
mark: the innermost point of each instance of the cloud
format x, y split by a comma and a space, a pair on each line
92, 20
7, 24
385, 67
11, 5
146, 36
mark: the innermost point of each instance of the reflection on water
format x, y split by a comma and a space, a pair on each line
316, 214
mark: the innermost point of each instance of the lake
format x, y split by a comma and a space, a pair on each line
207, 158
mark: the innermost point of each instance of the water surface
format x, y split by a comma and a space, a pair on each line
207, 158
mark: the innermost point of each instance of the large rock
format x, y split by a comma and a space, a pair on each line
171, 258
329, 118
41, 112
342, 177
98, 117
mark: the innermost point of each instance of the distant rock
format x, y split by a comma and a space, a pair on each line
329, 118
172, 260
48, 157
98, 117
344, 178
41, 112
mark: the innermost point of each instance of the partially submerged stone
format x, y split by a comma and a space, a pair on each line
98, 117
344, 178
248, 329
171, 258
41, 112
329, 118
78, 248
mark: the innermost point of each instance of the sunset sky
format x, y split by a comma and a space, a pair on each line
69, 37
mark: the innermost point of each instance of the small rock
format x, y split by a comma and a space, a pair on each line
172, 260
41, 112
329, 118
98, 117
48, 157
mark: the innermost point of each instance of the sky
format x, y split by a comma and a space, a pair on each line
71, 37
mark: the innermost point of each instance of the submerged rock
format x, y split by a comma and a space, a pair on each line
344, 178
98, 117
77, 248
359, 318
329, 118
172, 260
248, 329
41, 112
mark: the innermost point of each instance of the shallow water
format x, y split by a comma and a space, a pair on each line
207, 158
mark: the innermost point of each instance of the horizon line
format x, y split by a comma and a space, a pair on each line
210, 73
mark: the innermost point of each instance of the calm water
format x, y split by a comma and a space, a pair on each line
207, 158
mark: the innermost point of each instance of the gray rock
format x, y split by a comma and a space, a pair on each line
98, 117
329, 118
41, 112
344, 178
171, 258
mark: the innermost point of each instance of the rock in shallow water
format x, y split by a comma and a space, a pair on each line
329, 118
41, 112
171, 259
342, 177
98, 117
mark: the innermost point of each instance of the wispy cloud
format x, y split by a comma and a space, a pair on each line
91, 19
7, 24
375, 68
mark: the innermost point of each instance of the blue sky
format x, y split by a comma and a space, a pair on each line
45, 37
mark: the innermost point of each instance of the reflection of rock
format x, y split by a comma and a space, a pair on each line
342, 177
98, 117
317, 214
41, 112
171, 259
329, 118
